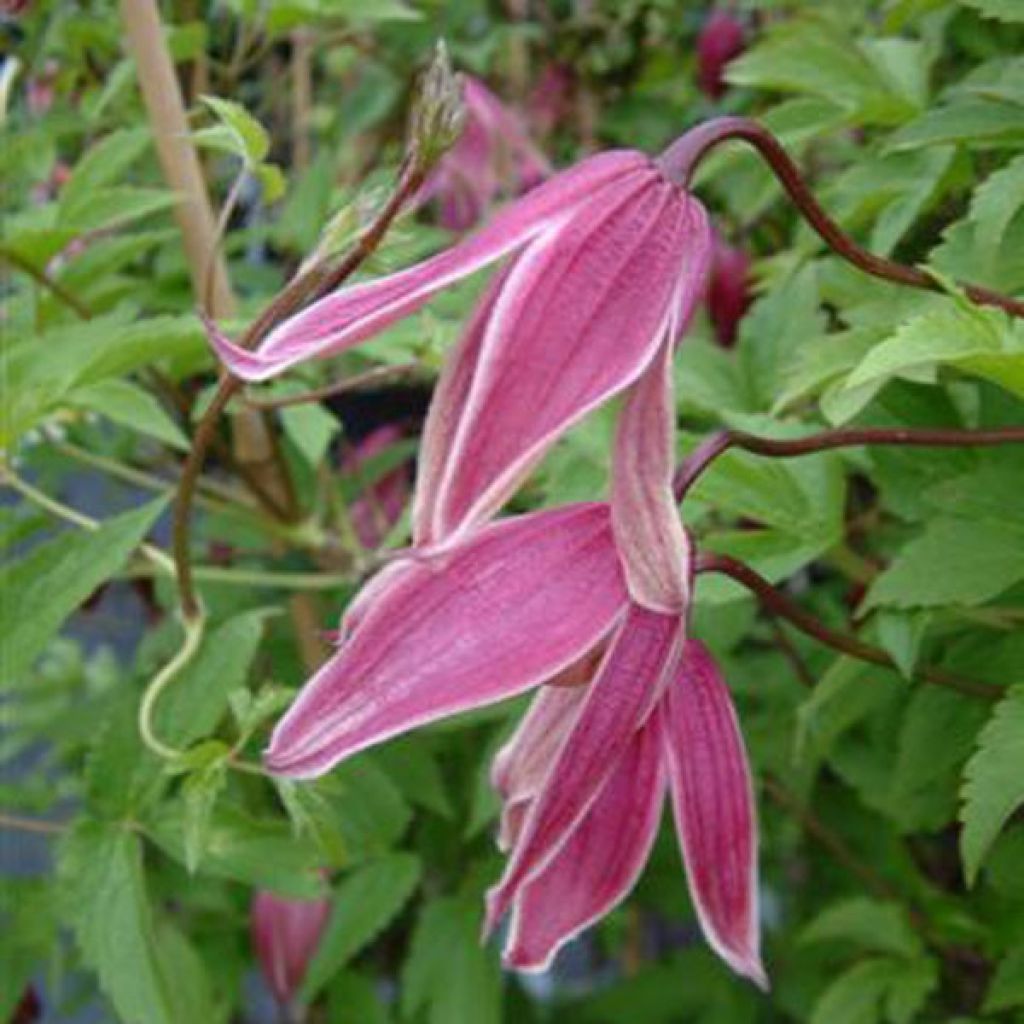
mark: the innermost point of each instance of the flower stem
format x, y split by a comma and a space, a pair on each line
315, 282
680, 161
41, 277
705, 453
778, 604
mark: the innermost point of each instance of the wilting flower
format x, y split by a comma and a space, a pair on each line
729, 293
285, 935
494, 156
609, 259
380, 505
719, 41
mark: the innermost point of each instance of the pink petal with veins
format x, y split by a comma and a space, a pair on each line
512, 606
580, 316
640, 659
713, 801
653, 544
356, 312
599, 863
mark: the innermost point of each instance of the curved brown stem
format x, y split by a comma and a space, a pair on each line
681, 159
687, 473
778, 604
41, 277
310, 285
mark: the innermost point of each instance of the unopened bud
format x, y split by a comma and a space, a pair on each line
720, 40
285, 934
439, 114
729, 293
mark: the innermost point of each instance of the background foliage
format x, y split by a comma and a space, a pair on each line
892, 851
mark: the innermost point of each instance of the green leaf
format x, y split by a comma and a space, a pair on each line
103, 163
364, 903
1007, 986
104, 890
993, 781
114, 207
997, 201
131, 406
192, 707
199, 794
42, 589
272, 182
868, 924
894, 987
448, 973
953, 562
972, 339
259, 852
1002, 10
354, 998
810, 57
964, 121
249, 137
311, 428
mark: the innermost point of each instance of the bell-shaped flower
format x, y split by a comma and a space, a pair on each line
605, 255
494, 156
285, 935
689, 744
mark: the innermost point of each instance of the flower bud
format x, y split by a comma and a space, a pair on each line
285, 935
439, 113
729, 290
719, 41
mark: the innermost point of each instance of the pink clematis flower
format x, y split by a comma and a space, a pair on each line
607, 257
595, 594
285, 935
494, 156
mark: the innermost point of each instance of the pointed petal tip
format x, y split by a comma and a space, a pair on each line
519, 958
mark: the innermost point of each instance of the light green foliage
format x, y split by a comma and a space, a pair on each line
993, 787
44, 587
364, 903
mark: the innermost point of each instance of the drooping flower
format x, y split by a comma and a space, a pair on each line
720, 40
729, 294
607, 256
592, 599
285, 935
690, 744
550, 99
493, 157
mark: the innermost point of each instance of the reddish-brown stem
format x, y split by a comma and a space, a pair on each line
845, 437
681, 159
308, 286
778, 604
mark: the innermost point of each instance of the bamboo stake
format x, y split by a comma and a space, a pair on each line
165, 106
254, 443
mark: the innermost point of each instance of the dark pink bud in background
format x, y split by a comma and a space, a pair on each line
719, 41
729, 291
285, 934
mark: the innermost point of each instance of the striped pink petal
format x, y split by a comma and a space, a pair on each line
580, 316
508, 609
521, 766
653, 544
599, 863
713, 803
626, 687
357, 312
